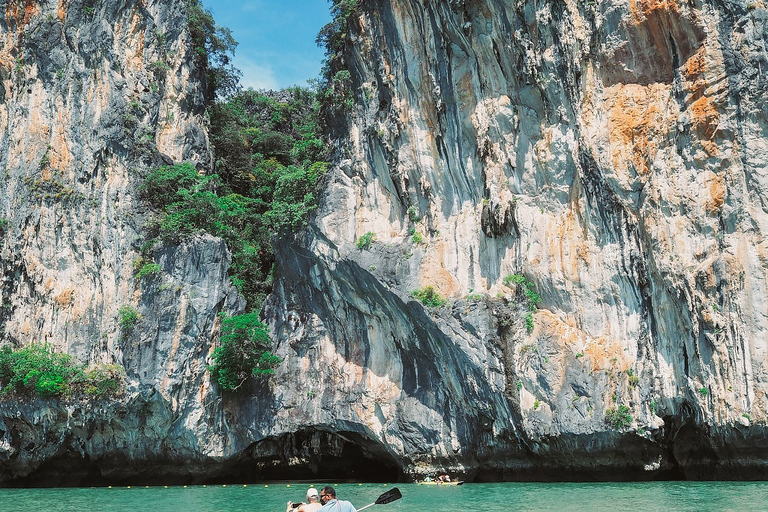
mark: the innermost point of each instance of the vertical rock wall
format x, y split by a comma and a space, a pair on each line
92, 95
612, 152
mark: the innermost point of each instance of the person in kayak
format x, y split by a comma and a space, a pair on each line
331, 504
312, 504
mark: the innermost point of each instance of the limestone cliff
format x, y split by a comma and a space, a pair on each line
92, 95
612, 153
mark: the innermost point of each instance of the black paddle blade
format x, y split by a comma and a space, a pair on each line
389, 496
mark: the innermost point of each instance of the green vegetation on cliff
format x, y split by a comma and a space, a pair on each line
336, 80
532, 298
269, 157
39, 371
243, 352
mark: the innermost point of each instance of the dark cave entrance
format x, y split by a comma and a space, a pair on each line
315, 455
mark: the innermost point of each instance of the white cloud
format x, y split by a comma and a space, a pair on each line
255, 75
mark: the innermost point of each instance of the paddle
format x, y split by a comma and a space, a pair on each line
388, 497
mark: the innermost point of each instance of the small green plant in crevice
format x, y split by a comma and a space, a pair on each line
412, 214
532, 299
145, 269
3, 225
529, 322
519, 385
514, 278
45, 160
159, 67
417, 238
632, 378
703, 391
618, 417
536, 405
103, 381
243, 352
52, 190
127, 317
365, 241
429, 297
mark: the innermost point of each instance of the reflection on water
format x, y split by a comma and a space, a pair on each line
498, 497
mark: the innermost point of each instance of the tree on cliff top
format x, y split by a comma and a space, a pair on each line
213, 46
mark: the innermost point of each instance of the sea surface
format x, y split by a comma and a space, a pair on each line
497, 497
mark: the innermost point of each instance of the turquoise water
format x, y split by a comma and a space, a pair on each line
519, 497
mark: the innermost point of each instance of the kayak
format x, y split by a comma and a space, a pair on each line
440, 483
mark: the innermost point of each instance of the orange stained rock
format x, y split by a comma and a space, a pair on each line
606, 354
717, 192
29, 10
705, 117
434, 273
693, 72
46, 173
12, 12
637, 123
645, 8
62, 10
565, 247
564, 332
696, 63
64, 298
59, 155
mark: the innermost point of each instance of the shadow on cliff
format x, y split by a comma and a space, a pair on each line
313, 454
364, 319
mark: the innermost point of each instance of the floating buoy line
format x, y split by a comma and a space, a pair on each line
201, 485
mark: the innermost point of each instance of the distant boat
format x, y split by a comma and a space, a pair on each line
433, 482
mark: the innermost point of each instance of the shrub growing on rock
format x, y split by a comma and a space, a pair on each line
243, 352
37, 370
365, 241
429, 297
618, 418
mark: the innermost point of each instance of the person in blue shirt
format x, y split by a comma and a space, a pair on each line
331, 504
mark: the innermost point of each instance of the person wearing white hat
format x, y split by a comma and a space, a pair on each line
311, 505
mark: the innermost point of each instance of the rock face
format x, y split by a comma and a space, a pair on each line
92, 95
611, 153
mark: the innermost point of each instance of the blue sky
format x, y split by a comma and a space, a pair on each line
276, 39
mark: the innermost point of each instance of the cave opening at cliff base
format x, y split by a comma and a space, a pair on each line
315, 455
